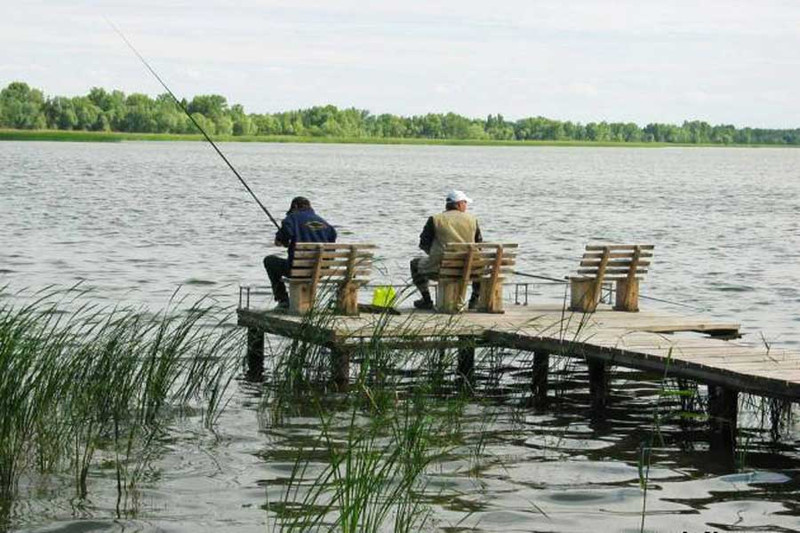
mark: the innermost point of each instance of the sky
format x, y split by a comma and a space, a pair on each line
725, 62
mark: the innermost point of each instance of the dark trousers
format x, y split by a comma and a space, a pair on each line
421, 279
277, 268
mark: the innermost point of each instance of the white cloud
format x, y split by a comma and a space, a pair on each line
582, 89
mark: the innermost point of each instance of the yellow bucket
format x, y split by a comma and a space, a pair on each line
383, 296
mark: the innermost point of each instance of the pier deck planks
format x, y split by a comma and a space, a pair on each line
679, 346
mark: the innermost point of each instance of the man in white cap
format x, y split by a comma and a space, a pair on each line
453, 225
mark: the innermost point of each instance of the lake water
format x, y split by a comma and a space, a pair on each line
134, 221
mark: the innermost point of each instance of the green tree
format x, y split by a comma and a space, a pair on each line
242, 124
86, 113
140, 114
60, 113
21, 107
266, 125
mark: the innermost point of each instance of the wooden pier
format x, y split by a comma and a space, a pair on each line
677, 346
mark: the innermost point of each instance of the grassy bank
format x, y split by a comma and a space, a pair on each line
95, 136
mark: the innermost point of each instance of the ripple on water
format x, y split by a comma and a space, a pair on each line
195, 281
526, 195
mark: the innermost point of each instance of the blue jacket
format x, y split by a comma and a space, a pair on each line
304, 226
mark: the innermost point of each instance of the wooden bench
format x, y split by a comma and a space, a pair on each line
465, 263
625, 264
348, 266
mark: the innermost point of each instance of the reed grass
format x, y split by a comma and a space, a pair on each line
77, 379
376, 444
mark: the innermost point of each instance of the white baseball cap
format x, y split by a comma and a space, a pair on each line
456, 196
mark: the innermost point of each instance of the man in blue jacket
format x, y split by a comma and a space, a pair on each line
301, 224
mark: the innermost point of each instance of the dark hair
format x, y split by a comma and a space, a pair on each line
449, 206
299, 202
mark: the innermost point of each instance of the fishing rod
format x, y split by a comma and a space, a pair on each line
186, 111
548, 278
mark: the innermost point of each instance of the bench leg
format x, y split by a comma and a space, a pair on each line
584, 295
627, 295
448, 299
300, 297
491, 298
347, 299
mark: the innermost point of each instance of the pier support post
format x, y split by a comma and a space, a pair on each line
466, 367
255, 354
340, 367
539, 379
778, 409
722, 410
598, 383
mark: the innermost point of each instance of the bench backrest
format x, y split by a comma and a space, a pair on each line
330, 262
465, 263
625, 264
347, 265
612, 262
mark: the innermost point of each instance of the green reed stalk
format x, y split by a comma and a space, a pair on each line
76, 379
376, 457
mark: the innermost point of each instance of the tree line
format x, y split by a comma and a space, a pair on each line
24, 107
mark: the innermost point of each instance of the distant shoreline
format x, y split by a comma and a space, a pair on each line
95, 136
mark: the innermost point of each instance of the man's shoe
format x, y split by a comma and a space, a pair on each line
423, 304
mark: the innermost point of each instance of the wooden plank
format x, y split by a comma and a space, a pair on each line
482, 273
481, 245
308, 263
486, 252
617, 338
614, 256
617, 247
460, 256
326, 272
493, 293
466, 275
612, 278
610, 271
331, 246
477, 263
312, 254
611, 263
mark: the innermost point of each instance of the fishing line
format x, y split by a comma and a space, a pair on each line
548, 278
181, 106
